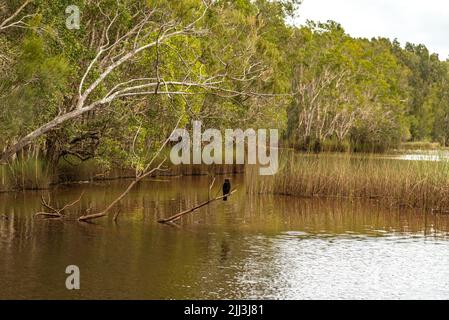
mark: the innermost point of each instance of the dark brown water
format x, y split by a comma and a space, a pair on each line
249, 248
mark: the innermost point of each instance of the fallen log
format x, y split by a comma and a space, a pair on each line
183, 213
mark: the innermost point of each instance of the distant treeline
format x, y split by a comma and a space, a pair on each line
364, 94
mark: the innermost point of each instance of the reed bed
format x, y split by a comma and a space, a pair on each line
24, 174
33, 174
395, 183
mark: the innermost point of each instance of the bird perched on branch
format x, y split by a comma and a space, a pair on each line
226, 189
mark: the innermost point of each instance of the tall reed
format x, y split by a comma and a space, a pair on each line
24, 174
414, 184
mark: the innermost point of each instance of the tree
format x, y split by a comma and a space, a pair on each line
148, 44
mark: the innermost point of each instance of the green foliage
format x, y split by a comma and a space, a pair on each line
36, 87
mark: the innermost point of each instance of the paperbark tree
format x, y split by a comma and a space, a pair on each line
106, 78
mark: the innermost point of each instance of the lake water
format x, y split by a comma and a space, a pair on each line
247, 248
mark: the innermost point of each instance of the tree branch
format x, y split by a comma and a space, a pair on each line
56, 213
183, 213
8, 22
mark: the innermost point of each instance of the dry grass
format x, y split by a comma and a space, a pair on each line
414, 184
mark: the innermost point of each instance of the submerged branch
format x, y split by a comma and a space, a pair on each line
183, 213
55, 213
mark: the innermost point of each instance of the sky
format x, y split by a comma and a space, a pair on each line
416, 21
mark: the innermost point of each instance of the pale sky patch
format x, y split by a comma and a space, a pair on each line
415, 21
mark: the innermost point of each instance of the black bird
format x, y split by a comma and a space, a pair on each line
226, 189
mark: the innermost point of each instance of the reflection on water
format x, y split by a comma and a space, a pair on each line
249, 248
